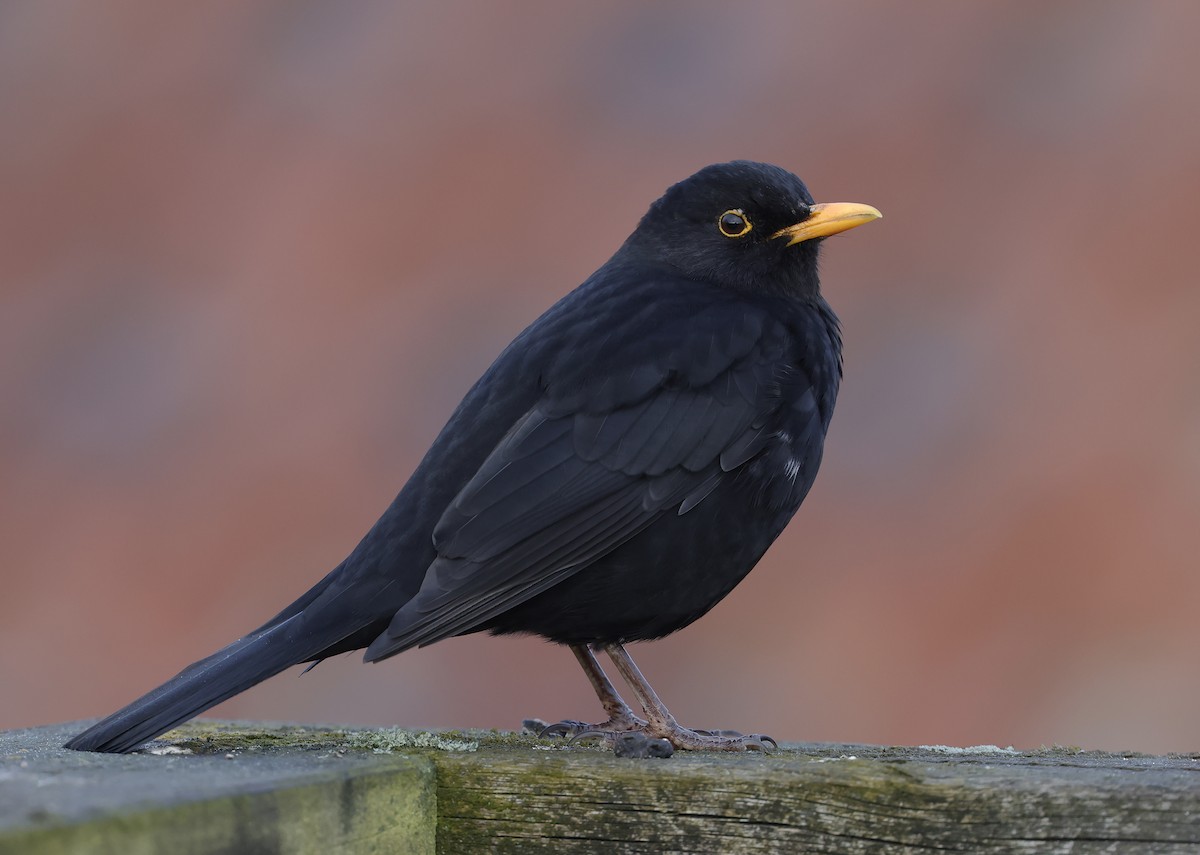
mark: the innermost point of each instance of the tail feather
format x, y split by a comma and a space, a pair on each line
204, 684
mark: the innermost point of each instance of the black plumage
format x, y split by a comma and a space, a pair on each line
621, 466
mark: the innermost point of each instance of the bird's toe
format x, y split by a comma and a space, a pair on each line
570, 728
713, 740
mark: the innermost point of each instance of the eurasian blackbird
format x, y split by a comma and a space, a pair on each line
619, 468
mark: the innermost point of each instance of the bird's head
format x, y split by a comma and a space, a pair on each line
744, 225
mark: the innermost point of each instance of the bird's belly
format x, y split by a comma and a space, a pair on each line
661, 580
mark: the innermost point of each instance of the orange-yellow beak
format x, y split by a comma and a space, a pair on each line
829, 219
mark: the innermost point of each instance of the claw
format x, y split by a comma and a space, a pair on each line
589, 735
570, 728
760, 742
705, 740
564, 729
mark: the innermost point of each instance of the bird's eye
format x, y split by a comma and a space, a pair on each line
734, 224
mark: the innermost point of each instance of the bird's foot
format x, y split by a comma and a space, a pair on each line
629, 743
709, 740
569, 729
661, 724
624, 732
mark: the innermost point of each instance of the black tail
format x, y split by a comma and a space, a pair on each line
249, 660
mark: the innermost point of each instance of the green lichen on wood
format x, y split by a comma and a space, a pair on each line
848, 800
572, 800
214, 737
284, 788
390, 739
208, 737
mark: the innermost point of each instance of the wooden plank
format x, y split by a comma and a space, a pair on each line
298, 789
281, 791
819, 798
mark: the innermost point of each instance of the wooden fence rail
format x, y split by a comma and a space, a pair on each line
228, 787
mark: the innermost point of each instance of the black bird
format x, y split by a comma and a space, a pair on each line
621, 466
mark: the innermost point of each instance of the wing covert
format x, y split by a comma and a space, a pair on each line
565, 487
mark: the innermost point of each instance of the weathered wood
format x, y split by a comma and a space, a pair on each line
519, 794
304, 798
843, 799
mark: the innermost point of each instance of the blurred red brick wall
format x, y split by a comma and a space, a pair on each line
251, 255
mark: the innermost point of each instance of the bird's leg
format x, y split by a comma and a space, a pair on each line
620, 716
661, 723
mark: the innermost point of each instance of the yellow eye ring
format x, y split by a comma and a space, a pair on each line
734, 223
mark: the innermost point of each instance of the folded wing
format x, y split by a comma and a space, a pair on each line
568, 485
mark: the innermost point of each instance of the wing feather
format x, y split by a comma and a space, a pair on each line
570, 483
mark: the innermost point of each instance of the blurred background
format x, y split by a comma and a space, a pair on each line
252, 255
